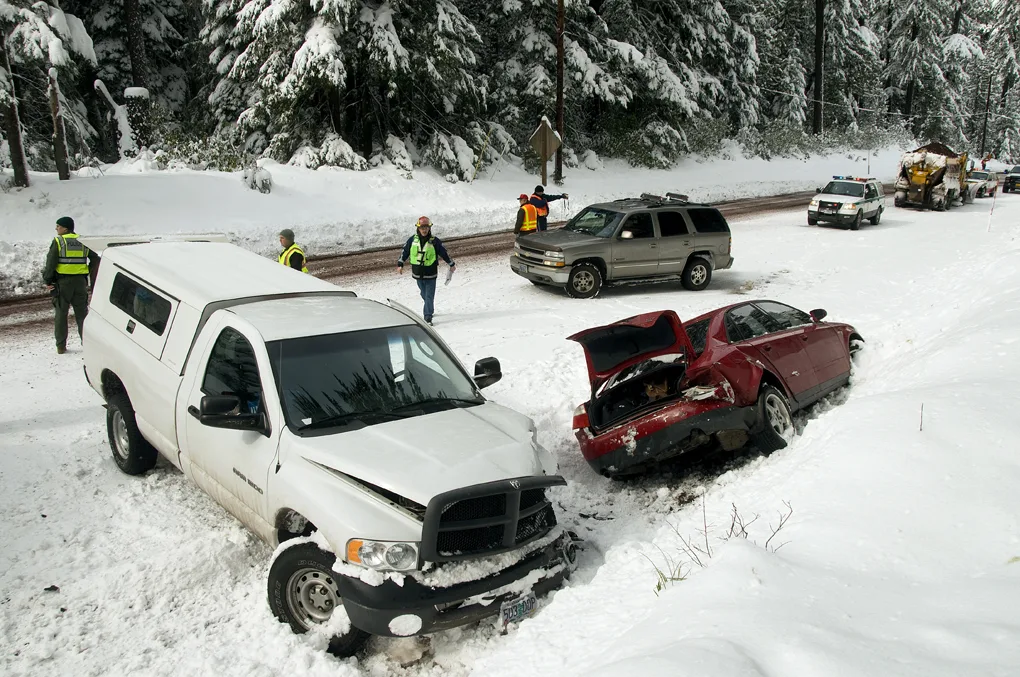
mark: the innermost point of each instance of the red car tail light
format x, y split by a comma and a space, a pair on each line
580, 417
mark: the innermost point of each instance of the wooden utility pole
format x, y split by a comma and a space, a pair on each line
11, 122
558, 172
819, 57
984, 131
59, 136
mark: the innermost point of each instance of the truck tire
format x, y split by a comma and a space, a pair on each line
877, 217
131, 452
775, 419
856, 223
585, 281
811, 221
303, 593
697, 274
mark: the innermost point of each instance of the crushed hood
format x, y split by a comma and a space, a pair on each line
427, 455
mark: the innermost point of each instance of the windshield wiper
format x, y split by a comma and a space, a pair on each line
437, 400
364, 416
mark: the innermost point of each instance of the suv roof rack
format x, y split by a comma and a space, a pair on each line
669, 197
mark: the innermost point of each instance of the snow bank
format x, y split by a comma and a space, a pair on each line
342, 210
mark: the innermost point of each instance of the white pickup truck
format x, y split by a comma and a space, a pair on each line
342, 431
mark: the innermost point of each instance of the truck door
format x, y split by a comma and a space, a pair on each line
635, 248
233, 465
676, 242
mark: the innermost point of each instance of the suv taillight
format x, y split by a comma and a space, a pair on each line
580, 417
729, 245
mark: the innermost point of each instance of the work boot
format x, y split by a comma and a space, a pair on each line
61, 350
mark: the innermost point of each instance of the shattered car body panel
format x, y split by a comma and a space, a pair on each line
655, 397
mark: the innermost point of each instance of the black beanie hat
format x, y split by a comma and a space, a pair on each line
66, 222
539, 190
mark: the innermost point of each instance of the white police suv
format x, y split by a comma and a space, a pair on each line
847, 201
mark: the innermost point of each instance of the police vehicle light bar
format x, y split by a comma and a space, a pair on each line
855, 178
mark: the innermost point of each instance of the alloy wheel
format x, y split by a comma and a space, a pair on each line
698, 275
778, 415
583, 282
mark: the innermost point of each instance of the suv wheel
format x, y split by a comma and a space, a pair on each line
584, 282
811, 221
776, 420
856, 223
303, 592
131, 452
877, 217
697, 274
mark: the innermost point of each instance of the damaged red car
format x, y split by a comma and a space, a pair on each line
661, 388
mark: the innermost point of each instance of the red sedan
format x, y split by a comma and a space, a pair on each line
661, 387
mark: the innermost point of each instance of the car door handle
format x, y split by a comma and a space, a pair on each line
767, 349
130, 327
653, 245
193, 410
804, 339
687, 243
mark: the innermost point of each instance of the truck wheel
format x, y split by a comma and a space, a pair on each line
877, 217
131, 452
811, 221
776, 420
584, 282
697, 274
856, 223
303, 593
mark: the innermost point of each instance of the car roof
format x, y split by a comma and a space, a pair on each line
277, 319
626, 204
201, 273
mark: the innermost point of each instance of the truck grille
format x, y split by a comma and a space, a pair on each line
487, 519
828, 206
528, 253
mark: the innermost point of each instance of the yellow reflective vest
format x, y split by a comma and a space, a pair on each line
289, 251
72, 257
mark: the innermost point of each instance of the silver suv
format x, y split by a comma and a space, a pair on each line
1012, 180
848, 200
628, 241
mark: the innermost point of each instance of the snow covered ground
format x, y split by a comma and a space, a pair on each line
337, 210
901, 556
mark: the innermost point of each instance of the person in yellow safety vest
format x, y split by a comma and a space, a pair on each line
424, 250
292, 255
527, 216
66, 275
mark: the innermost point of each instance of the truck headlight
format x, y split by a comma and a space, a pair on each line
553, 255
383, 555
813, 203
849, 206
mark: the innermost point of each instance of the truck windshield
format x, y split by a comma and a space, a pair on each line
595, 221
356, 379
979, 175
844, 188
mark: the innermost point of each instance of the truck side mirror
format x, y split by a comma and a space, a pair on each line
487, 372
626, 235
818, 315
224, 411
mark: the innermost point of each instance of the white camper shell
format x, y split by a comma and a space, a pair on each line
340, 430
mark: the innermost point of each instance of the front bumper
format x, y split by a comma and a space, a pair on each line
830, 217
372, 608
642, 450
539, 273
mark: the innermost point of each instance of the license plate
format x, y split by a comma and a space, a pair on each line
828, 211
521, 268
517, 609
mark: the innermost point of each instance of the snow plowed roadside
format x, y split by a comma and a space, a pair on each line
897, 550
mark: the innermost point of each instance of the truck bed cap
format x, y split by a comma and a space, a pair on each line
200, 273
318, 315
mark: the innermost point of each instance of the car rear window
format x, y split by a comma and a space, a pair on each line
697, 332
708, 220
141, 303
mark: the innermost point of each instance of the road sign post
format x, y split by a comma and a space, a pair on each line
545, 142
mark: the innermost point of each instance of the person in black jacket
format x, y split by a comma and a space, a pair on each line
424, 250
541, 200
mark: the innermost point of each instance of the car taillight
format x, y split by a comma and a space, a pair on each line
580, 417
729, 245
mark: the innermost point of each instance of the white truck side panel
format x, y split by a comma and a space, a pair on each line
182, 335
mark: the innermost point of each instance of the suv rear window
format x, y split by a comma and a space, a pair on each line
708, 220
141, 303
698, 334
